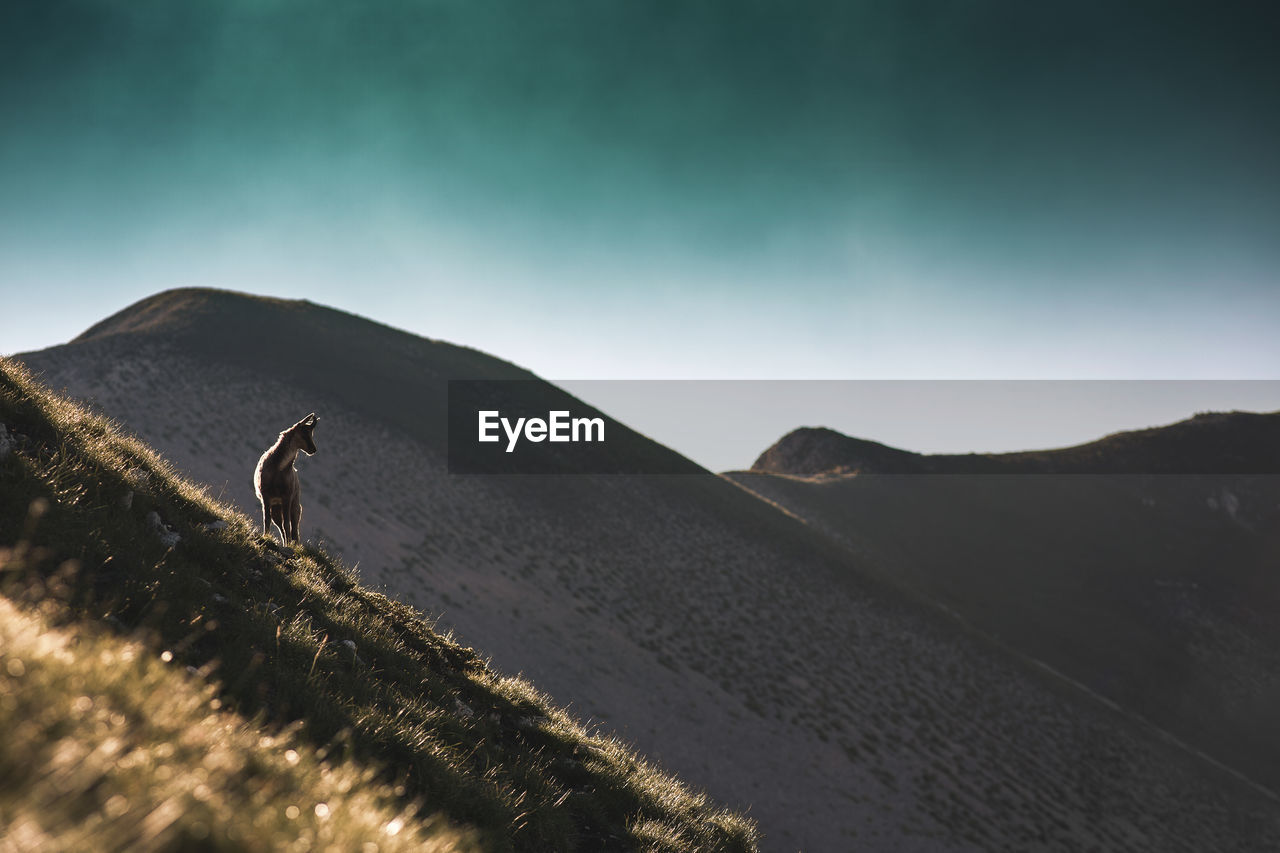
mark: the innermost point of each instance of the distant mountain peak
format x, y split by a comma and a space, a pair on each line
1208, 443
178, 308
810, 451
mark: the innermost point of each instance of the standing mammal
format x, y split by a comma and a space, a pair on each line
275, 480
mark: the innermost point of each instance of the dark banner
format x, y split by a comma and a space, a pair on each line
531, 427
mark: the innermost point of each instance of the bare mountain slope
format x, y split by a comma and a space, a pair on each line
159, 661
1157, 590
727, 639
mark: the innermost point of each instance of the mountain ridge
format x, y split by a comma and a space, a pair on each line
1235, 442
1138, 565
682, 613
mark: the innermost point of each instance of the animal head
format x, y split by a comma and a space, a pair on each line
305, 430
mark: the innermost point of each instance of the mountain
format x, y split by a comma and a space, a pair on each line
172, 681
1141, 565
731, 642
1209, 443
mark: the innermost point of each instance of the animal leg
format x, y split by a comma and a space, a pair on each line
295, 519
266, 518
277, 515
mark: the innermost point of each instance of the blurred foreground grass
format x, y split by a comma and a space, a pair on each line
108, 748
171, 680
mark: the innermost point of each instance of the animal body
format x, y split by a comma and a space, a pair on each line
275, 480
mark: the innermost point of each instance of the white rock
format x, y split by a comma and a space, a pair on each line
167, 537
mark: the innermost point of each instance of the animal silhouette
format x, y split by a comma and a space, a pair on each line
275, 480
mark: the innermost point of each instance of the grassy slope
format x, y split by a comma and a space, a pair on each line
289, 639
108, 748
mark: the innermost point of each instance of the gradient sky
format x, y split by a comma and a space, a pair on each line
725, 424
623, 189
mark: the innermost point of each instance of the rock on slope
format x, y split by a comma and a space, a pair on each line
723, 637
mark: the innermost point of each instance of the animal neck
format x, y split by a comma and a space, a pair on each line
286, 452
287, 458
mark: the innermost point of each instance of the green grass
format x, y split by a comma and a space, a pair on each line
384, 717
107, 747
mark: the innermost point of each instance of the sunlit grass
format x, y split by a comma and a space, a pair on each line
292, 650
107, 747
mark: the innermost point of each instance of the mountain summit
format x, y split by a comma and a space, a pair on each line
1208, 443
1140, 565
749, 652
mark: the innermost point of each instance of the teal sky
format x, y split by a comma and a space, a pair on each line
716, 189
